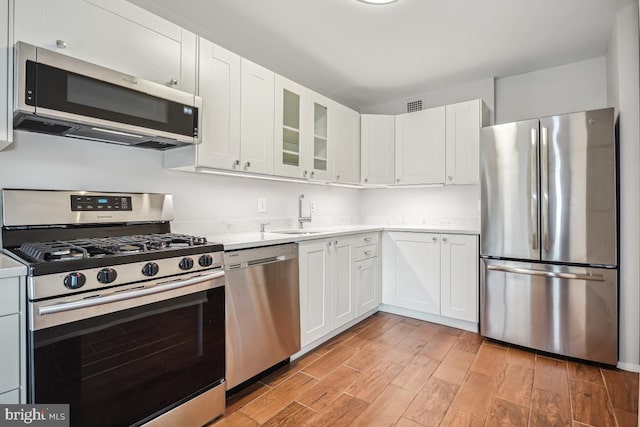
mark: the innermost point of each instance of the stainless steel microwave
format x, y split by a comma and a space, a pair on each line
60, 95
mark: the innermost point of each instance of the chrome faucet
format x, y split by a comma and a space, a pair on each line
302, 219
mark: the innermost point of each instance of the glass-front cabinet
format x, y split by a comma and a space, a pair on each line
321, 140
302, 132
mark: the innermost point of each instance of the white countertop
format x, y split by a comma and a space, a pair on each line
234, 241
10, 267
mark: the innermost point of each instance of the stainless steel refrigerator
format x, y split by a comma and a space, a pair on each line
549, 245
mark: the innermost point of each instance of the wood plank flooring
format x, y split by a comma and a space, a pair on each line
394, 371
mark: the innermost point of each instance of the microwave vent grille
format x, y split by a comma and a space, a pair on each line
42, 127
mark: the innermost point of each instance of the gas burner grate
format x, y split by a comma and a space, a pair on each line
100, 247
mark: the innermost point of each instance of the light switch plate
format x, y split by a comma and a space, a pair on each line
262, 205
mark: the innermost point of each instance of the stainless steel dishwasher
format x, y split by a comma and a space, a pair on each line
263, 309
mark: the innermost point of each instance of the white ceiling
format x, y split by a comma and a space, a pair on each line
364, 55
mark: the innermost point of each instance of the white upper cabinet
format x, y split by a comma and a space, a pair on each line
302, 132
378, 148
113, 33
219, 87
464, 121
6, 113
420, 147
320, 142
256, 118
346, 153
291, 129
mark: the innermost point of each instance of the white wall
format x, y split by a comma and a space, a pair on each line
573, 87
203, 203
452, 206
623, 83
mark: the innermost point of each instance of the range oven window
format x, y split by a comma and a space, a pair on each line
125, 367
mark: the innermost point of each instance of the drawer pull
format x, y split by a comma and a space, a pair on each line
368, 252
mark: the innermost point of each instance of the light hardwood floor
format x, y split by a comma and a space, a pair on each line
391, 370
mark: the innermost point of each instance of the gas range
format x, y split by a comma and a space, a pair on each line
106, 240
116, 298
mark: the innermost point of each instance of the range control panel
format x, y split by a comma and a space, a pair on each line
100, 203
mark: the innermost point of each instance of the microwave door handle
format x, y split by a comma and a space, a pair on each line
58, 308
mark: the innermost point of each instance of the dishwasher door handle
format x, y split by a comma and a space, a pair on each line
265, 260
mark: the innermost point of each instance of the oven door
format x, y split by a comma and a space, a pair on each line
126, 358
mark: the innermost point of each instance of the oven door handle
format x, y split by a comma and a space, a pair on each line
57, 308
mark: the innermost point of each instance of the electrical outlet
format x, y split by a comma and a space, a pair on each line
262, 205
313, 206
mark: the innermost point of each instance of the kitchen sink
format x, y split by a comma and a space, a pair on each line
298, 232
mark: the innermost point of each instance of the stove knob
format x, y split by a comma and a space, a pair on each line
205, 260
107, 275
74, 280
150, 269
186, 263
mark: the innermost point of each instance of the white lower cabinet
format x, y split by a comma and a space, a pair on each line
435, 274
337, 284
459, 276
343, 288
13, 339
414, 263
368, 285
315, 282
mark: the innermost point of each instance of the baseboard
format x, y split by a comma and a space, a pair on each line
631, 367
442, 320
307, 348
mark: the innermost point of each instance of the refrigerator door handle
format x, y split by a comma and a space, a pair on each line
545, 189
533, 189
551, 274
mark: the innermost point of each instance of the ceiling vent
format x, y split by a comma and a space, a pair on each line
415, 104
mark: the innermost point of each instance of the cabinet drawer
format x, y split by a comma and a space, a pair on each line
9, 296
366, 239
365, 252
9, 352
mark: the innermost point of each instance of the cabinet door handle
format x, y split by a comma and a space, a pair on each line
61, 44
397, 179
313, 173
368, 252
328, 243
367, 239
173, 82
337, 177
450, 177
366, 180
247, 165
359, 267
236, 163
434, 238
305, 173
444, 239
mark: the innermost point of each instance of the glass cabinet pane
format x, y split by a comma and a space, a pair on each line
290, 128
320, 137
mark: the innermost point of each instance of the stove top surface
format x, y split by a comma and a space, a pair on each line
69, 255
65, 250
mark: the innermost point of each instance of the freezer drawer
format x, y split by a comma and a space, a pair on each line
572, 311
